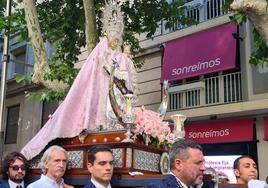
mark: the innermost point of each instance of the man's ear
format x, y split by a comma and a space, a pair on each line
89, 167
237, 173
45, 164
178, 164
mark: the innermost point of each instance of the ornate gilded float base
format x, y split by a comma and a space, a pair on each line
129, 157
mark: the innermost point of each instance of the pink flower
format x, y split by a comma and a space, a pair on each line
150, 124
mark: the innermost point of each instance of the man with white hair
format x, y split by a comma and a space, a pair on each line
53, 165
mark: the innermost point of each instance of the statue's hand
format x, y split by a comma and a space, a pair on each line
106, 54
103, 61
103, 58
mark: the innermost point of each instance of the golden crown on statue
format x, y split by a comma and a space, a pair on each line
112, 18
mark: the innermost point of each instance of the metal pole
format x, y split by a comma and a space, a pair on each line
5, 61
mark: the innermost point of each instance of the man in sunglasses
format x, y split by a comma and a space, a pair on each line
14, 168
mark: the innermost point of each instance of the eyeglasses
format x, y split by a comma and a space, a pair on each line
16, 168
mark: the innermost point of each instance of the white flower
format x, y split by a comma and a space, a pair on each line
131, 2
129, 20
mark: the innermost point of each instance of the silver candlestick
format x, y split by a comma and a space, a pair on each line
128, 117
178, 120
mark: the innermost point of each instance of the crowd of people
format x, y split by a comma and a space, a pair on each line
187, 168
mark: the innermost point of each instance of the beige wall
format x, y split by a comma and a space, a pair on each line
149, 87
29, 120
254, 84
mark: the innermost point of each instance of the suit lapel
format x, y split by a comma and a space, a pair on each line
92, 185
171, 182
5, 184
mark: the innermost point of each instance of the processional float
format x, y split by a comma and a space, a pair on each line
136, 162
137, 155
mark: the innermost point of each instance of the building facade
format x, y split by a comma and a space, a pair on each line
227, 108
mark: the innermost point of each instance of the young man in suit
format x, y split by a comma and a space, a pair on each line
245, 169
100, 165
14, 168
187, 166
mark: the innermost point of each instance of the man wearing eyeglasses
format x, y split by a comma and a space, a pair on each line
13, 170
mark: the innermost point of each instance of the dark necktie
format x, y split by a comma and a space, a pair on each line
19, 186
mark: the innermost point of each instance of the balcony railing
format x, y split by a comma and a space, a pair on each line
200, 11
215, 90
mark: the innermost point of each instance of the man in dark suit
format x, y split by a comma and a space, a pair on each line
100, 165
187, 166
14, 168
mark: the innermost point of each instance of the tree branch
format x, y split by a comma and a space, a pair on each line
257, 13
41, 66
90, 25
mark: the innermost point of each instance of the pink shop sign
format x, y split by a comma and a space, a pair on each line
220, 132
201, 53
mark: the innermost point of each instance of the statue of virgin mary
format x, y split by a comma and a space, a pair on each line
86, 106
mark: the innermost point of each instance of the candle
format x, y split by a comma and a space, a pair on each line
178, 121
129, 104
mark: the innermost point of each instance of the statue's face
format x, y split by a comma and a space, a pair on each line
114, 40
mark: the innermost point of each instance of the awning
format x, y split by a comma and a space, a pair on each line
201, 53
265, 137
220, 132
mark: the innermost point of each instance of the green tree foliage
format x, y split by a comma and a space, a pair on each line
259, 55
2, 8
63, 24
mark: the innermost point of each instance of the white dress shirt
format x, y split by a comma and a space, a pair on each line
12, 184
98, 185
46, 182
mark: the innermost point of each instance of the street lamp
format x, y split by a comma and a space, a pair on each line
5, 61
